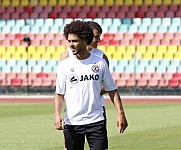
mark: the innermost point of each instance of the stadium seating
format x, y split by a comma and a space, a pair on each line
151, 60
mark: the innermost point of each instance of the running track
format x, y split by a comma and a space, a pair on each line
125, 99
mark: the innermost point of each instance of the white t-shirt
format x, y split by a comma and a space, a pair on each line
81, 81
98, 53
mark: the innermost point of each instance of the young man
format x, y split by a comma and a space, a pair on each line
92, 48
80, 79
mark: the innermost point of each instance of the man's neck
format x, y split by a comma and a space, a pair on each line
83, 55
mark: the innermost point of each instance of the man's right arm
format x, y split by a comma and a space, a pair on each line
64, 55
58, 104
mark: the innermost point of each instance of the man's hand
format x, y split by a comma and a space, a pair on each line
59, 122
122, 123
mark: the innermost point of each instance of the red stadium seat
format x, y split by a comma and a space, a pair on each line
2, 76
57, 8
66, 9
45, 42
134, 8
76, 9
24, 15
5, 16
26, 82
130, 15
167, 75
55, 42
72, 15
125, 75
34, 15
37, 82
131, 82
121, 15
178, 14
144, 8
16, 42
16, 82
116, 75
150, 14
10, 36
163, 83
82, 15
32, 75
153, 8
177, 76
146, 75
169, 14
48, 9
157, 75
172, 8
86, 9
95, 9
2, 9
160, 14
5, 83
136, 75
124, 8
53, 15
29, 9
42, 75
121, 83
63, 15
46, 82
140, 14
163, 8
52, 75
101, 15
152, 82
142, 83
114, 42
21, 75
173, 83
15, 15
43, 15
114, 8
10, 75
19, 9
10, 9
111, 15
38, 9
2, 36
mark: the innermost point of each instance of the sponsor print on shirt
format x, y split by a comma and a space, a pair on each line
74, 78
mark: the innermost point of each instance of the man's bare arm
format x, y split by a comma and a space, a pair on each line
107, 61
58, 104
121, 122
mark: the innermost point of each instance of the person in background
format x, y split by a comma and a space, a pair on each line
80, 79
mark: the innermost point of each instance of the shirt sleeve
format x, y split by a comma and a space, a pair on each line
108, 81
60, 80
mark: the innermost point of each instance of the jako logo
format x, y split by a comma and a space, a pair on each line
74, 78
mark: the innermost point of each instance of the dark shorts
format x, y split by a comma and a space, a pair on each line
95, 133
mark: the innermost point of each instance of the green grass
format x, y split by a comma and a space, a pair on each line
151, 127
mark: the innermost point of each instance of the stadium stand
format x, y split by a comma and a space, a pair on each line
142, 39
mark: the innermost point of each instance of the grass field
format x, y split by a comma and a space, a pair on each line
151, 127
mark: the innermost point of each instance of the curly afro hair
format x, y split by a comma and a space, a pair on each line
81, 29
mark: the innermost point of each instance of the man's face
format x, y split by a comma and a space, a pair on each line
76, 44
96, 39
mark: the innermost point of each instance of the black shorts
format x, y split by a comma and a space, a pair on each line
95, 133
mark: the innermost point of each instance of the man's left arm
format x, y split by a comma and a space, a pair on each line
121, 118
107, 61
